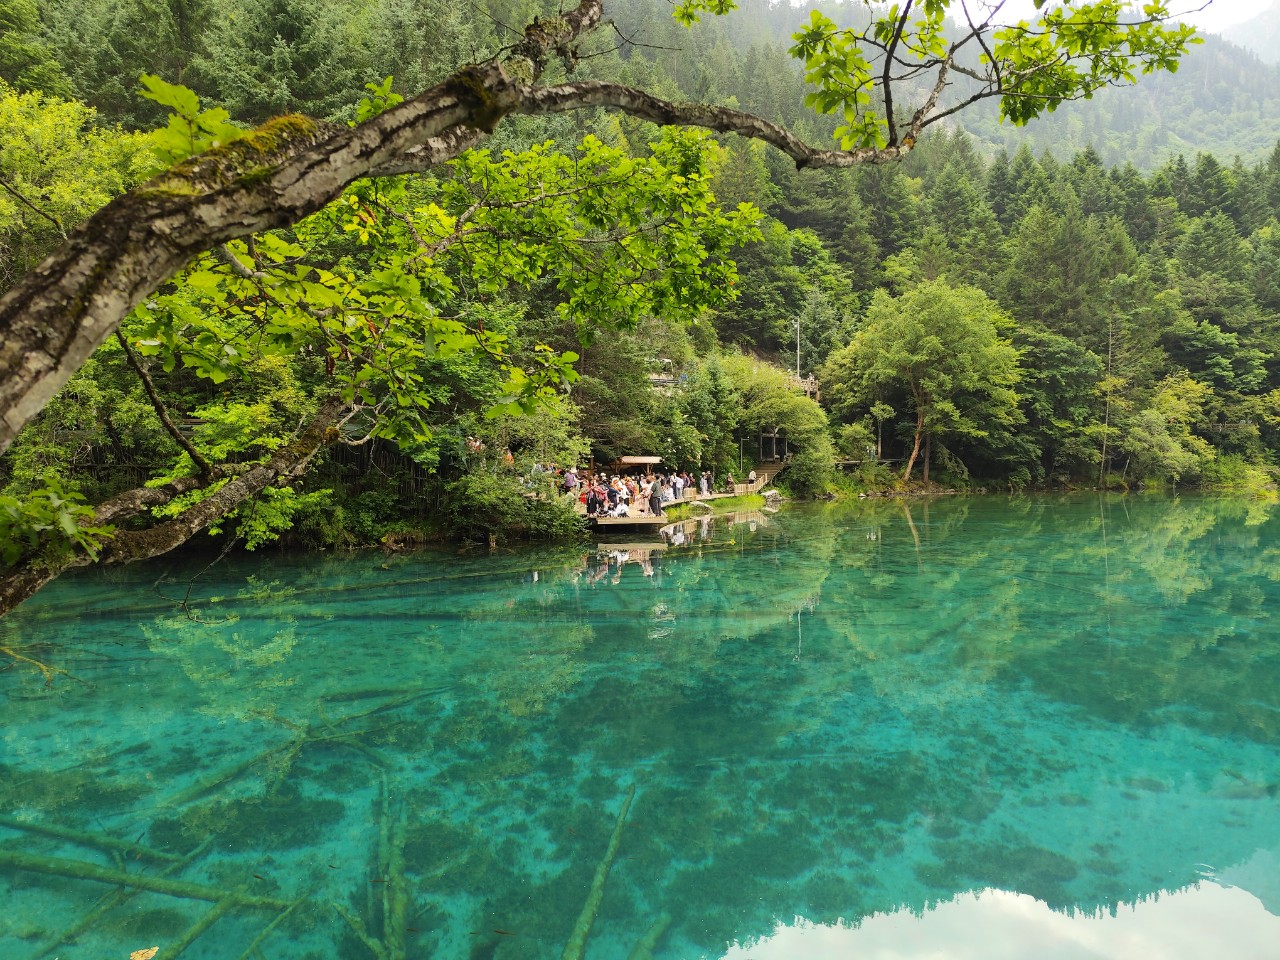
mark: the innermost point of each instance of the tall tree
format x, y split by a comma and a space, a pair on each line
1055, 273
26, 62
959, 206
57, 166
943, 345
105, 45
1059, 396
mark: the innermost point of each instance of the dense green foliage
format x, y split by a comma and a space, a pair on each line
1011, 320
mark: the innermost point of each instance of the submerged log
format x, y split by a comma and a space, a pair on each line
47, 671
226, 775
396, 903
576, 948
94, 840
212, 916
358, 927
110, 902
269, 929
79, 870
643, 950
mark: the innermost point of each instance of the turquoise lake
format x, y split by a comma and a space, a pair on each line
979, 727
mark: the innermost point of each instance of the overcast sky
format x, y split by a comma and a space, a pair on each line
1218, 15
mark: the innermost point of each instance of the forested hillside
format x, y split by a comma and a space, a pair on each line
993, 316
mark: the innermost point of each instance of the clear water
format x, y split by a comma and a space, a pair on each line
978, 727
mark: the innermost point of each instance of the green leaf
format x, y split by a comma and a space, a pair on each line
179, 99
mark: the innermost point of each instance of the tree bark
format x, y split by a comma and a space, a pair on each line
290, 460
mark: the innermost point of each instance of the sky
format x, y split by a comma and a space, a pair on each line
1218, 15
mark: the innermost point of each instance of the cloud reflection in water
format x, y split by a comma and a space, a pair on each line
1201, 922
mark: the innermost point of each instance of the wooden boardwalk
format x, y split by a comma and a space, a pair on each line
644, 520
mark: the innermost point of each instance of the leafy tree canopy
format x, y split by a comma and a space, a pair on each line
942, 347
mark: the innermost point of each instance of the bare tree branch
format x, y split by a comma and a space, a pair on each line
22, 198
596, 93
161, 410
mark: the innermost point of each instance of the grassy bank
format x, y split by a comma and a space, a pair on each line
683, 511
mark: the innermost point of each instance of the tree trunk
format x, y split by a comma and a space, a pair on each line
915, 449
26, 580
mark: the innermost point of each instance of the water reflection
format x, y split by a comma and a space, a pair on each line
1202, 921
832, 713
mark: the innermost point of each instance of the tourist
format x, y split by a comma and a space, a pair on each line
595, 498
704, 482
655, 498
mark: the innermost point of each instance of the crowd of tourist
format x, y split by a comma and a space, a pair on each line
630, 494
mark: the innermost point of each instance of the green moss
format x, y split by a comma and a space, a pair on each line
766, 855
548, 31
168, 185
248, 160
1105, 867
80, 788
469, 84
431, 845
944, 828
284, 820
520, 70
157, 923
938, 875
828, 896
1030, 869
